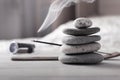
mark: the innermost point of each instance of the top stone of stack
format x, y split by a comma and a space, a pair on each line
82, 23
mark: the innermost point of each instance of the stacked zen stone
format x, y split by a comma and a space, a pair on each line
80, 46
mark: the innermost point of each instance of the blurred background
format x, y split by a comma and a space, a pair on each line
22, 18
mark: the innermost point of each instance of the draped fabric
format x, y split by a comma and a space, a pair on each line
70, 13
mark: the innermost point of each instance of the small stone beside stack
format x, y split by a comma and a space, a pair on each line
80, 46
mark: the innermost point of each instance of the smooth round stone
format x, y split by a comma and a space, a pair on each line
80, 49
76, 40
81, 32
82, 23
92, 58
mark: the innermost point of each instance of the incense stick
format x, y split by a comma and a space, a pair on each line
106, 56
34, 58
47, 43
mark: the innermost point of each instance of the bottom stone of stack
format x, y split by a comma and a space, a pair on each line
88, 58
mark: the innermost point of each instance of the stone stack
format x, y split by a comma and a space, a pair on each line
79, 45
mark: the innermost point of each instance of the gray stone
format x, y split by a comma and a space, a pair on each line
76, 40
82, 23
80, 49
92, 58
81, 32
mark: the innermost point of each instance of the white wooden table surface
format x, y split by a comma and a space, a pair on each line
55, 70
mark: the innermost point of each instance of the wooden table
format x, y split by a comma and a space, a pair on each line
55, 70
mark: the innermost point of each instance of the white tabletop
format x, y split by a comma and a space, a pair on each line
55, 70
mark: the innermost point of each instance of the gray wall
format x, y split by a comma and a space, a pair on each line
109, 7
100, 7
10, 24
86, 9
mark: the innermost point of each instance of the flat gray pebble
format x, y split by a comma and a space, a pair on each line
82, 23
81, 32
76, 40
92, 58
80, 49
